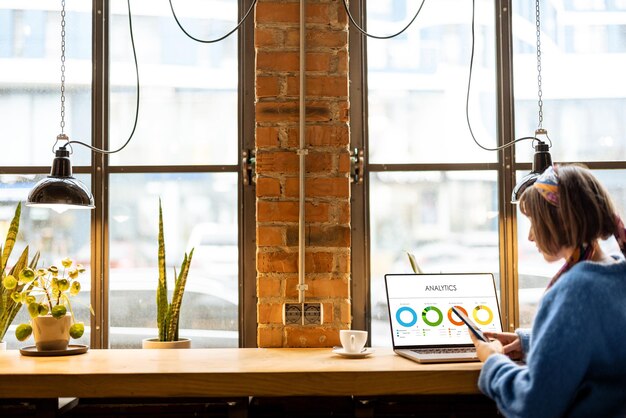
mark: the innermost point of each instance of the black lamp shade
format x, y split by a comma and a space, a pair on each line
60, 190
542, 160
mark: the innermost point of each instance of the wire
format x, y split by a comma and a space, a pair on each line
469, 85
132, 41
211, 41
364, 32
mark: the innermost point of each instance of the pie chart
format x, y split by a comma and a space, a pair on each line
425, 316
406, 316
453, 318
483, 318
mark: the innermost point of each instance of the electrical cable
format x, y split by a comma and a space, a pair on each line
469, 84
364, 32
210, 41
132, 41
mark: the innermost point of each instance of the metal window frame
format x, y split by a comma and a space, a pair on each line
100, 171
506, 168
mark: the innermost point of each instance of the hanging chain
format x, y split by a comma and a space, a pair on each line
62, 66
539, 91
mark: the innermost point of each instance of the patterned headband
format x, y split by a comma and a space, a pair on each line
548, 185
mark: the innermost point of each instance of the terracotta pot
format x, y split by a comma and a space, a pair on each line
155, 343
51, 333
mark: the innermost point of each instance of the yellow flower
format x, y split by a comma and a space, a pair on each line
27, 275
9, 282
75, 288
66, 262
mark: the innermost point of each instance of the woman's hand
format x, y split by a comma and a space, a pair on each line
484, 350
511, 344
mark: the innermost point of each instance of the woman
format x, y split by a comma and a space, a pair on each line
575, 353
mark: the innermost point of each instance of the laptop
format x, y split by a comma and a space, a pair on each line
423, 326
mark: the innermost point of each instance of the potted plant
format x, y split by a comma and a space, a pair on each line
9, 285
168, 313
48, 300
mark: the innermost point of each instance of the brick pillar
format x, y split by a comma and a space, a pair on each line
277, 34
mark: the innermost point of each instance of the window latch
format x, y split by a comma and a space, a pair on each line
248, 167
356, 166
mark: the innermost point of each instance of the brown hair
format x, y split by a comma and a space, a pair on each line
585, 212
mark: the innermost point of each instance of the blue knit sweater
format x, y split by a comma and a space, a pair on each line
575, 352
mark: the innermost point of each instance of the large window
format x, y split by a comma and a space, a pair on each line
429, 189
187, 130
184, 152
417, 85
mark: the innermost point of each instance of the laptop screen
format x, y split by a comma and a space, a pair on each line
420, 307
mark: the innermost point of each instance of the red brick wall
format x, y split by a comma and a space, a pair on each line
327, 260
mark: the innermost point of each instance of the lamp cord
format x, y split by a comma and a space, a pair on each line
364, 32
210, 41
469, 84
132, 41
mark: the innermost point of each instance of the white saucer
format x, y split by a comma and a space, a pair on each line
366, 352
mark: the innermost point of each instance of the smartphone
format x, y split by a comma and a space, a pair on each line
470, 324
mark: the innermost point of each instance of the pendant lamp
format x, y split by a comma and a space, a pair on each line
60, 190
542, 158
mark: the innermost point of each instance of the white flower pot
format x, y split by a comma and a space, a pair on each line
3, 345
155, 343
51, 333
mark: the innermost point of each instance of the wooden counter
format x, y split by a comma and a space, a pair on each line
226, 373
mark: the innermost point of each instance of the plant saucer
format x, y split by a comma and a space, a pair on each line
71, 350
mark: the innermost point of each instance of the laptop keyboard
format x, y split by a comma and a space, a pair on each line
443, 350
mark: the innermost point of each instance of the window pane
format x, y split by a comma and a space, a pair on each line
30, 80
584, 96
54, 235
534, 271
417, 83
200, 212
188, 109
448, 220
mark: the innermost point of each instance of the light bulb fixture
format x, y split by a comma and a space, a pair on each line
60, 190
541, 160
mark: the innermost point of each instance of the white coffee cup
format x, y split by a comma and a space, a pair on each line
352, 341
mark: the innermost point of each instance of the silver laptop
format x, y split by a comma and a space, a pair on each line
423, 326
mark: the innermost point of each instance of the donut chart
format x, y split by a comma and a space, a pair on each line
486, 309
413, 314
429, 322
452, 318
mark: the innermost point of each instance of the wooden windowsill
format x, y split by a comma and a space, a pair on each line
228, 372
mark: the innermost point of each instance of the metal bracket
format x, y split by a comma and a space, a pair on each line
248, 167
356, 166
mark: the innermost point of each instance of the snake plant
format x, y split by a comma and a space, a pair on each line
168, 313
10, 284
416, 268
